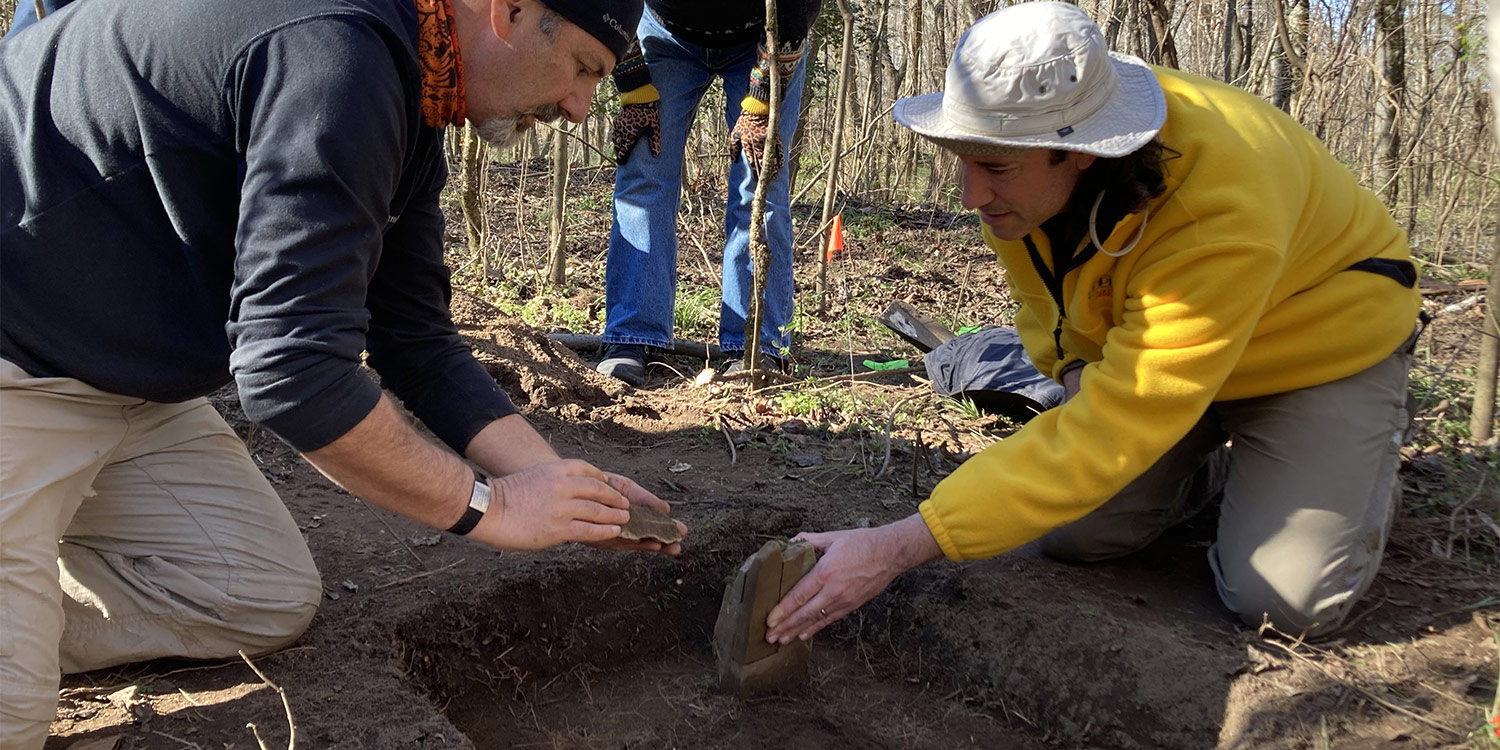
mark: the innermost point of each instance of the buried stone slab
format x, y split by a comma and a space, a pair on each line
748, 665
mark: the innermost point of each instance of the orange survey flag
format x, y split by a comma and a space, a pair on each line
835, 236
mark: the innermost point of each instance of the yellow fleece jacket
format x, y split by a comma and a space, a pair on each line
1237, 288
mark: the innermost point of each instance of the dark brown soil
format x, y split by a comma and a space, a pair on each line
429, 641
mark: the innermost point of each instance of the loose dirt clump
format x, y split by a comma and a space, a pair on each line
532, 369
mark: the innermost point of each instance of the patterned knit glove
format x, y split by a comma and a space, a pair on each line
749, 136
634, 122
640, 114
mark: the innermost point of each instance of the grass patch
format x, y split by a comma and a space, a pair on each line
863, 224
1444, 403
696, 314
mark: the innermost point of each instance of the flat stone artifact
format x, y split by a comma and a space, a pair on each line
649, 523
747, 664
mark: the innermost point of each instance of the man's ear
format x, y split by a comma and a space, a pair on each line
503, 17
1082, 161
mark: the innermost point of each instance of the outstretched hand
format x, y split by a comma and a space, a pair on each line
749, 136
638, 494
551, 503
856, 565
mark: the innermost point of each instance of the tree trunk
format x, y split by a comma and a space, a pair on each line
557, 270
875, 93
1231, 26
469, 193
1112, 26
1390, 102
1237, 41
799, 136
906, 158
1482, 418
830, 188
1164, 50
1288, 65
760, 252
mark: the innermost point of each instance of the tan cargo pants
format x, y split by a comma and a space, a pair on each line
131, 530
1310, 491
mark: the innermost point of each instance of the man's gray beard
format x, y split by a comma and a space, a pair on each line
501, 132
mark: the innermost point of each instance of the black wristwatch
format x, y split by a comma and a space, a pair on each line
479, 502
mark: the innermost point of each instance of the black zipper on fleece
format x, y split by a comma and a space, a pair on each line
1054, 281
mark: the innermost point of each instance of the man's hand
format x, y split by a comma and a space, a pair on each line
856, 565
551, 503
632, 123
749, 136
638, 494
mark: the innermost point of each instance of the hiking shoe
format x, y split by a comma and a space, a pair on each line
736, 363
625, 362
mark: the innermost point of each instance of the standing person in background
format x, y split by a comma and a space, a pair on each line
683, 45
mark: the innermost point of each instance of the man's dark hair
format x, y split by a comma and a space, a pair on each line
1130, 181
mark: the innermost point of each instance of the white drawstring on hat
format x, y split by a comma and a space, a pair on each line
1094, 233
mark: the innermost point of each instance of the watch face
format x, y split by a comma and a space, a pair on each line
480, 500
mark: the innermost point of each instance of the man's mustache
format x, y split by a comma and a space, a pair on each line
546, 113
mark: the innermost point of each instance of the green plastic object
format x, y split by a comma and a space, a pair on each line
894, 364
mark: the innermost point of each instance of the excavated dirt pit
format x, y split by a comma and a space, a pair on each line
618, 655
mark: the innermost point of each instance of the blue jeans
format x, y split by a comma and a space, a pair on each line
640, 279
25, 14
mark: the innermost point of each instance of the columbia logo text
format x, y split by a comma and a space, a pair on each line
619, 29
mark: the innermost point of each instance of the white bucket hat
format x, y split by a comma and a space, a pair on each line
1038, 75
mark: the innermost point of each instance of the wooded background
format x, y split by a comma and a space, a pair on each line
1397, 89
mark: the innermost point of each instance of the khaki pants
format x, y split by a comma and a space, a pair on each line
1310, 491
131, 530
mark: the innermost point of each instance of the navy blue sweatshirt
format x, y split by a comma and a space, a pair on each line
191, 189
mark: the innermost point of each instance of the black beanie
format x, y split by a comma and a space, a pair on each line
610, 21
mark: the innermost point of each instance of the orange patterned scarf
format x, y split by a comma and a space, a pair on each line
442, 70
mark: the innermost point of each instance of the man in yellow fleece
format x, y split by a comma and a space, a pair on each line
1196, 269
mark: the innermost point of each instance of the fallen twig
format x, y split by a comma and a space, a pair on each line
291, 739
844, 378
178, 740
69, 692
890, 424
394, 535
775, 375
1413, 432
669, 367
423, 574
1461, 305
734, 455
1360, 689
1453, 517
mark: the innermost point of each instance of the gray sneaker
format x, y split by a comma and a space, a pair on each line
625, 362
